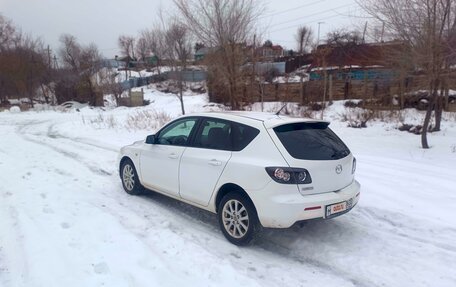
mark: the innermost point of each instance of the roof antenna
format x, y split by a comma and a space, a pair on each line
278, 112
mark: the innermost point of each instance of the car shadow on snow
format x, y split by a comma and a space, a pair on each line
314, 234
179, 208
339, 232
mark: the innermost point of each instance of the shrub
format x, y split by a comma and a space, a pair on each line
315, 107
357, 118
353, 104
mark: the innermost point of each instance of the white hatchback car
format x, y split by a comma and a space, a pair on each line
253, 169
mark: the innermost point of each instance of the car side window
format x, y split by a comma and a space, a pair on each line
177, 133
242, 136
224, 135
214, 134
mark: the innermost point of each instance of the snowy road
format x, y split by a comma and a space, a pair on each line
65, 221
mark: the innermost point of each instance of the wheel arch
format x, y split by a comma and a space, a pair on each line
121, 162
227, 188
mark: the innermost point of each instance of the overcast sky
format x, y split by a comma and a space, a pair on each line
102, 21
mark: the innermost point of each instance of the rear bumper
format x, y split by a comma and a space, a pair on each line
278, 209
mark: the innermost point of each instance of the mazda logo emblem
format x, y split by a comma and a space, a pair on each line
339, 169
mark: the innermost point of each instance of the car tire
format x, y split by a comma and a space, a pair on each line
130, 179
238, 219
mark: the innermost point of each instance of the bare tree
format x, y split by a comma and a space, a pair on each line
70, 51
79, 78
343, 37
127, 49
426, 28
142, 49
23, 66
178, 42
22, 72
225, 26
109, 83
155, 42
7, 33
304, 39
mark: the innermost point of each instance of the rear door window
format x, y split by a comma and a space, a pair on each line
224, 135
214, 134
311, 141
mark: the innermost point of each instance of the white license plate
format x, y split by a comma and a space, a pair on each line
336, 208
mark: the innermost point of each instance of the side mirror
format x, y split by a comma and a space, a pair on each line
150, 139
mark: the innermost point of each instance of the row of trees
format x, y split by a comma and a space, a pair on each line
29, 70
76, 78
226, 27
24, 63
427, 30
168, 39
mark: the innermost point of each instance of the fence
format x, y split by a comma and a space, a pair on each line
452, 107
382, 90
315, 90
187, 76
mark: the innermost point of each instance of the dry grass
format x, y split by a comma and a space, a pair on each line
146, 120
139, 120
101, 121
357, 117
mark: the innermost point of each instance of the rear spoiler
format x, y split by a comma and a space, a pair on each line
272, 123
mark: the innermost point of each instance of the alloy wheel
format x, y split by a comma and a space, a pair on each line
235, 218
128, 176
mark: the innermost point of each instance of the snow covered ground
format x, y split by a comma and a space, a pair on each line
65, 220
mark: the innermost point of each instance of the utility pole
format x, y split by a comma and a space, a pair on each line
252, 85
55, 62
364, 33
49, 56
32, 63
383, 31
318, 38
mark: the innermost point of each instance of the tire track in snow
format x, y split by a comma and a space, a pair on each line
73, 156
13, 240
399, 227
377, 169
205, 221
69, 154
51, 133
276, 250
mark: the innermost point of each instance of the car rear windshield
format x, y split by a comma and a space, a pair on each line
311, 141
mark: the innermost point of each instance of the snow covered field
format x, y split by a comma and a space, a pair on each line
65, 220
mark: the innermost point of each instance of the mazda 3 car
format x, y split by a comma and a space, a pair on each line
253, 170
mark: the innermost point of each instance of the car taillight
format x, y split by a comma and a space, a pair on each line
289, 175
354, 166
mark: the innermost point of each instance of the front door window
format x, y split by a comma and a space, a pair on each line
177, 133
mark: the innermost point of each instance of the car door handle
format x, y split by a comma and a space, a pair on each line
173, 156
215, 162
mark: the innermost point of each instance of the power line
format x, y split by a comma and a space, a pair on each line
291, 9
106, 49
310, 22
354, 16
316, 14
